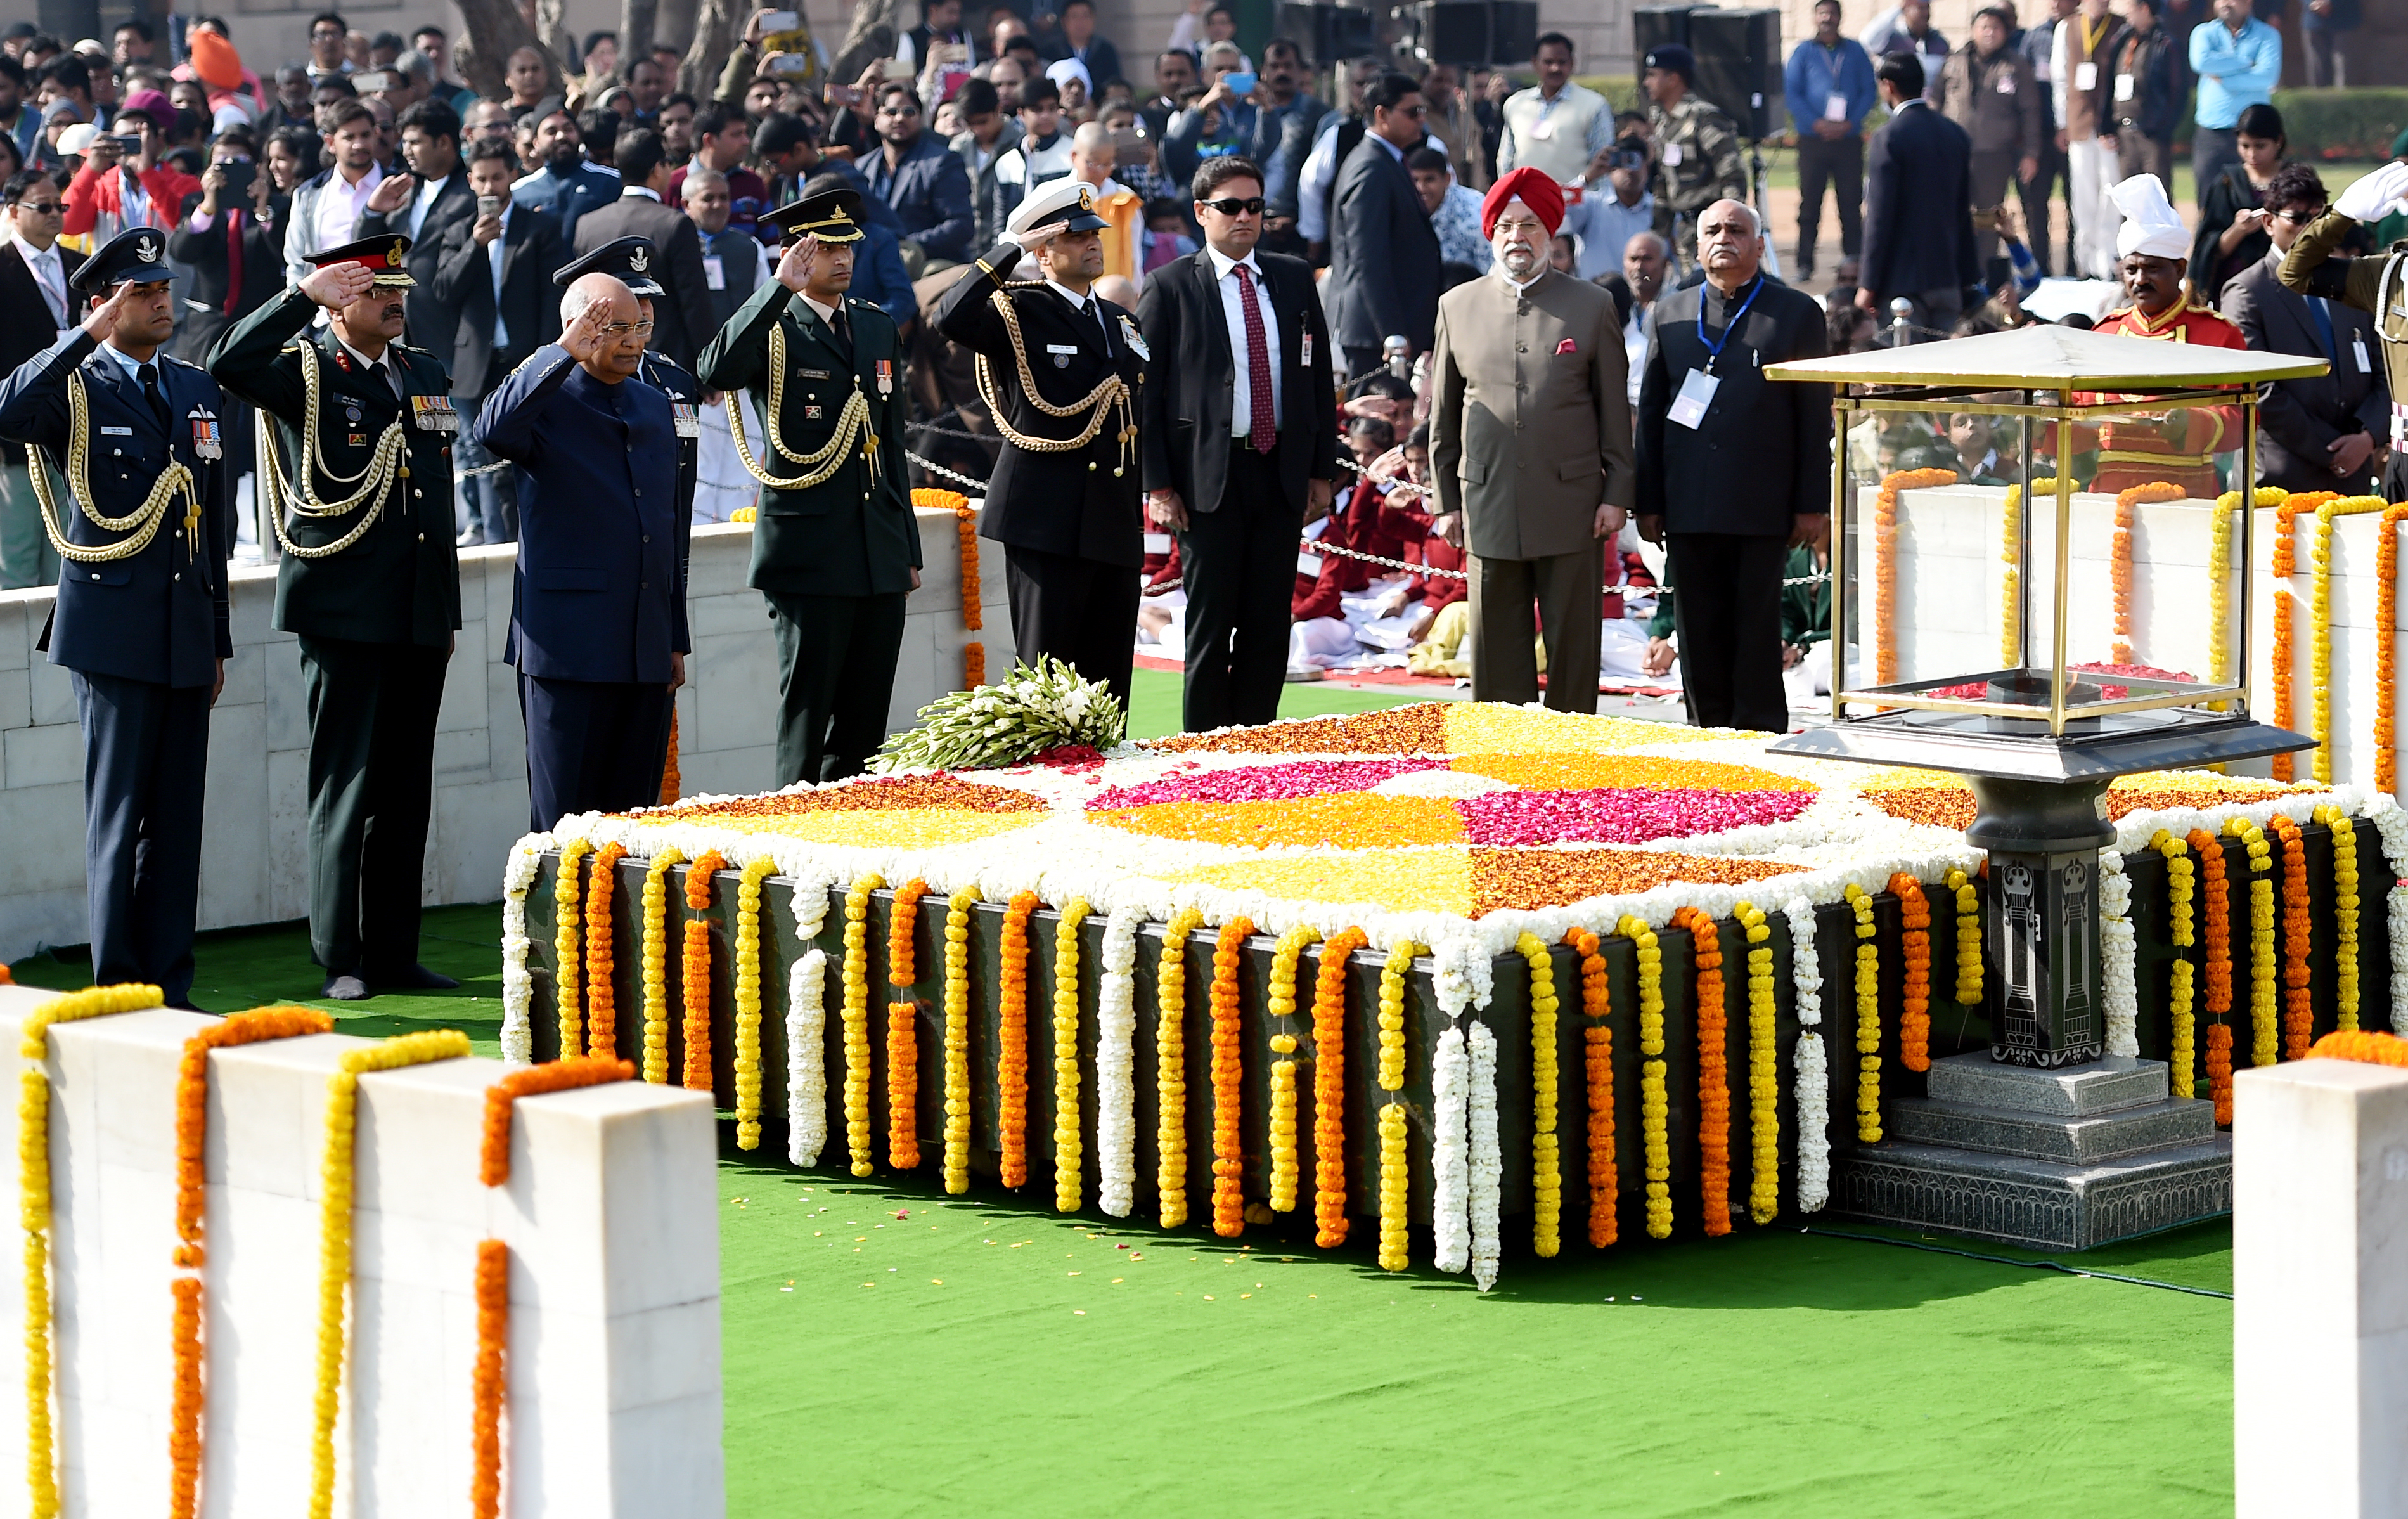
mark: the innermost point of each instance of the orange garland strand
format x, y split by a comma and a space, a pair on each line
2120, 566
672, 784
965, 535
2361, 1045
1012, 1041
696, 963
1713, 1076
1329, 1087
601, 986
2299, 1005
1915, 1013
903, 1029
2387, 617
192, 1202
1228, 1148
2283, 566
1885, 571
1604, 1183
493, 1263
2215, 915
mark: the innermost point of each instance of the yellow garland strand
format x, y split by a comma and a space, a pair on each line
1868, 1127
334, 1230
2320, 626
2010, 550
567, 919
1763, 1071
1968, 938
2265, 1030
656, 966
2345, 866
1067, 1151
2219, 582
856, 1019
1394, 1235
1170, 1067
1282, 1006
747, 1002
34, 1212
1653, 1105
1546, 1161
2182, 917
957, 1039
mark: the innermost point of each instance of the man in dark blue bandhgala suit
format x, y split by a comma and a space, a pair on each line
140, 619
597, 617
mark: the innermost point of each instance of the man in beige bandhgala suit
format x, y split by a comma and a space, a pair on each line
1530, 445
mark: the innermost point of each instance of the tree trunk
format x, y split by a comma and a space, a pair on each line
494, 29
718, 27
635, 33
552, 20
870, 37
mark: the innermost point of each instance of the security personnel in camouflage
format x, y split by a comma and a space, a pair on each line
360, 477
2377, 285
1696, 149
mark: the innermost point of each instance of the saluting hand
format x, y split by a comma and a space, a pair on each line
102, 322
795, 263
1031, 239
392, 194
334, 286
583, 337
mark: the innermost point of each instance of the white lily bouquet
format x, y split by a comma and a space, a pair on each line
1033, 708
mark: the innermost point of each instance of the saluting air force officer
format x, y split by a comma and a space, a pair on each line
140, 619
360, 474
598, 605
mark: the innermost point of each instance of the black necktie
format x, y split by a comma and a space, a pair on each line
1096, 309
148, 374
843, 329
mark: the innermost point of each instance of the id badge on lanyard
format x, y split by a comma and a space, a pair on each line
1697, 389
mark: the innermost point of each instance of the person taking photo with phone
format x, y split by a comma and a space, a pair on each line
123, 183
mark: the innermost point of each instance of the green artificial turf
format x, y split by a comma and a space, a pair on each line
1154, 698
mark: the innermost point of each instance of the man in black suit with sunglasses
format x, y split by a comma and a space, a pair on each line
1239, 441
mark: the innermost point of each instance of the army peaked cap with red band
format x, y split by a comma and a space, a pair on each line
381, 256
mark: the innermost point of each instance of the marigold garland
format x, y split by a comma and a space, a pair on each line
2320, 628
966, 527
2283, 566
1229, 1144
334, 1231
1885, 567
2364, 1045
856, 1021
1279, 1000
2386, 616
696, 965
2011, 554
2181, 919
33, 1209
494, 1149
656, 964
1170, 1069
1713, 1068
2215, 912
601, 967
1395, 1233
1869, 1128
2345, 908
1597, 1058
1763, 1071
1546, 1170
903, 1028
2264, 1046
1915, 953
1968, 938
2120, 561
957, 1039
747, 1002
567, 919
1329, 1087
1012, 1042
1068, 1151
672, 783
2299, 1005
1654, 1106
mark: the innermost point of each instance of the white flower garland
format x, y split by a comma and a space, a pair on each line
1487, 1165
1116, 1063
807, 1057
2392, 823
1450, 1199
517, 987
2120, 990
1813, 1072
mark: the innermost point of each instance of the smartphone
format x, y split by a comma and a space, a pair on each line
842, 94
780, 20
488, 206
371, 81
897, 71
1240, 84
129, 144
1129, 146
787, 65
238, 174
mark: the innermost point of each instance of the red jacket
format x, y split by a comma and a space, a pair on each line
90, 195
1363, 521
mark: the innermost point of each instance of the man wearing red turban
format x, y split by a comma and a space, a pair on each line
1531, 449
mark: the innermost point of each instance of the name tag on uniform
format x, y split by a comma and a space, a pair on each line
1688, 408
1061, 348
689, 421
1307, 564
2125, 87
1308, 351
434, 414
714, 273
2085, 76
1835, 107
2358, 346
117, 432
816, 374
1671, 155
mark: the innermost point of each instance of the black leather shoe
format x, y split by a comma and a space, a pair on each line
346, 989
417, 978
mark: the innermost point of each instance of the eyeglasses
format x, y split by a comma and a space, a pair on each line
2299, 219
899, 110
621, 330
1253, 206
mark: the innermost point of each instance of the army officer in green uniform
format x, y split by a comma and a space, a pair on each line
1697, 148
836, 547
360, 477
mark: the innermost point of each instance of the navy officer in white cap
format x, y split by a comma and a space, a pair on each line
140, 619
1061, 370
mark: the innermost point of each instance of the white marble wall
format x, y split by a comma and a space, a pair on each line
613, 1359
254, 866
2320, 1291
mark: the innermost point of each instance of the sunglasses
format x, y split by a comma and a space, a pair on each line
41, 207
1234, 207
899, 110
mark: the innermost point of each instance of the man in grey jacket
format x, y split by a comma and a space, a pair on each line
990, 134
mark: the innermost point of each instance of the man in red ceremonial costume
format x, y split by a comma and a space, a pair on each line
2179, 448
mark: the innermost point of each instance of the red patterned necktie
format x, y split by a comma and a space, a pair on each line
1262, 432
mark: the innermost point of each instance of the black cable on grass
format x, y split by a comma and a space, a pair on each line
2004, 1260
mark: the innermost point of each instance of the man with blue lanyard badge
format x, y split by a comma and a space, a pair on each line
1733, 469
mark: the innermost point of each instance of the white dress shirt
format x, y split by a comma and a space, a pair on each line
496, 252
340, 205
427, 191
1241, 408
50, 274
